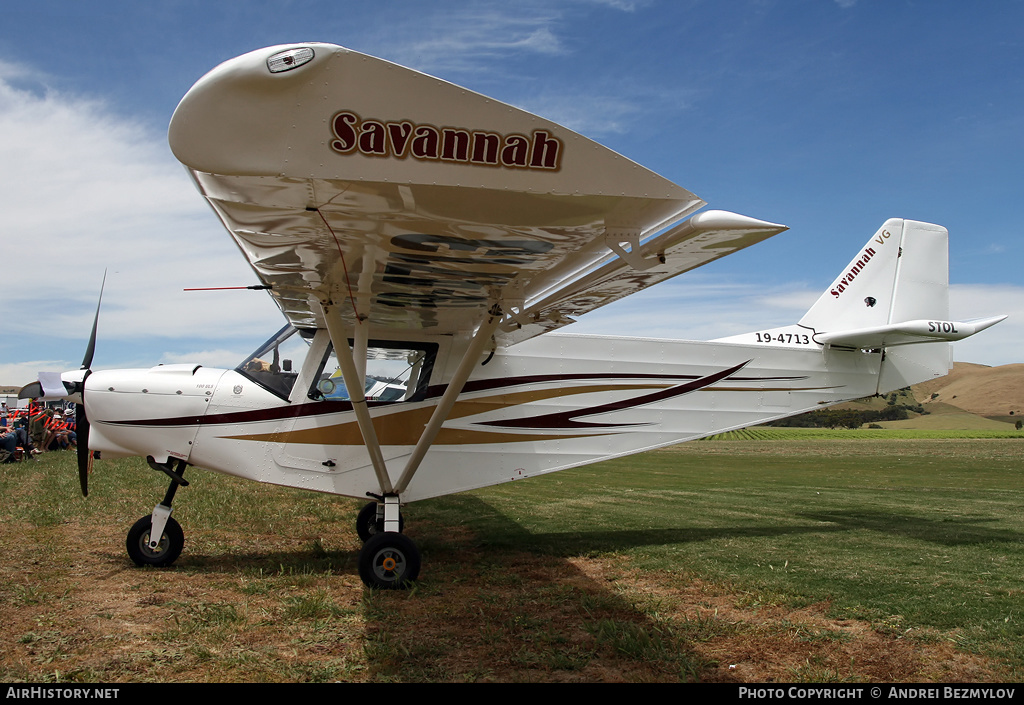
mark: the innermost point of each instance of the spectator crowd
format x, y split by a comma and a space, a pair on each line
26, 432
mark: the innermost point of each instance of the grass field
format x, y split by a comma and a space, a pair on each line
847, 556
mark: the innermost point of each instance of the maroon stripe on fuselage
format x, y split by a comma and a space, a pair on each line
323, 408
566, 419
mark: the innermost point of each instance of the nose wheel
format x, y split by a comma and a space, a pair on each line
167, 550
389, 560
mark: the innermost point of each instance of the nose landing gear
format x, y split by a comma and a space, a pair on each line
144, 548
389, 560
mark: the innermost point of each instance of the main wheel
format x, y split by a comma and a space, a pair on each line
171, 543
389, 561
368, 525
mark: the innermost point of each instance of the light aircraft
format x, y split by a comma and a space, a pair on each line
423, 241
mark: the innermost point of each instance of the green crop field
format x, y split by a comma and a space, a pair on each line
893, 432
791, 556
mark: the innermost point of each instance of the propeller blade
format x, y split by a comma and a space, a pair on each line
82, 433
91, 348
51, 386
31, 391
81, 420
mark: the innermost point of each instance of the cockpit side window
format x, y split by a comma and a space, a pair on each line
275, 364
395, 371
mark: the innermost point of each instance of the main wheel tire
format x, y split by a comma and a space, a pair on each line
389, 561
368, 525
171, 543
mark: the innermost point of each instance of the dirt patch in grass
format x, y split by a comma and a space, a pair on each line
742, 639
76, 610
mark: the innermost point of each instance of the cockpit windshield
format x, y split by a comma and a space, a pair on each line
395, 371
275, 364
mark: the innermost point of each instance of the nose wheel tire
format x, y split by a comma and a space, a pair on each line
167, 551
389, 561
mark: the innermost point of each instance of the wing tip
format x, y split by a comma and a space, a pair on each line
727, 220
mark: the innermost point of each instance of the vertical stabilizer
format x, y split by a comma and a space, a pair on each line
862, 296
900, 275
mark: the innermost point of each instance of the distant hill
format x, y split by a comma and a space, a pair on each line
970, 398
992, 392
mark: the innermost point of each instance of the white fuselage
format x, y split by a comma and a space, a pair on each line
547, 404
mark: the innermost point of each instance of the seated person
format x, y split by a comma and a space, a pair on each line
12, 438
8, 444
57, 433
38, 419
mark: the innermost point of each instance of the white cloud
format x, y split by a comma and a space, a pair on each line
624, 5
483, 42
87, 190
223, 358
458, 40
587, 113
1001, 344
19, 374
699, 307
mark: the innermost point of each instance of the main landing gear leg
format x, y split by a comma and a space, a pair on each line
371, 520
389, 560
142, 543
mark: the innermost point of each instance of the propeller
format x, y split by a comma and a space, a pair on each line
81, 420
52, 386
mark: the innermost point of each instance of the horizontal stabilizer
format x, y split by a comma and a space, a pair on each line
907, 333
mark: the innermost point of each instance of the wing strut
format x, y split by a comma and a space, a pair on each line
469, 360
350, 372
357, 391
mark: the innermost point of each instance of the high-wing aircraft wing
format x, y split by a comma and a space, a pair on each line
413, 203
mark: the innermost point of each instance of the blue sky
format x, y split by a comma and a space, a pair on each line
827, 115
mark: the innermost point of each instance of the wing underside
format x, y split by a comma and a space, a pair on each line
417, 205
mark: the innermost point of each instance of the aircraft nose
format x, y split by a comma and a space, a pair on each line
149, 412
